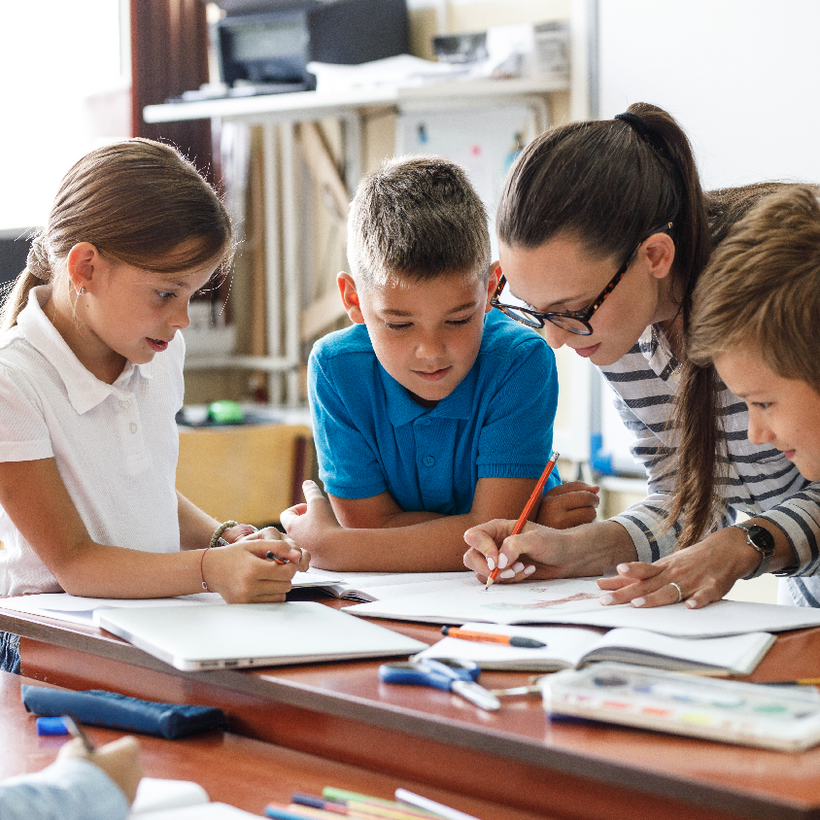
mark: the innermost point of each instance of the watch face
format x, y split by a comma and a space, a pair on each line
761, 538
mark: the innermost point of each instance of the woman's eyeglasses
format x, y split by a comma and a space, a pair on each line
574, 321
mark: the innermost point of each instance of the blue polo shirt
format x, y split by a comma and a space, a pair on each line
371, 436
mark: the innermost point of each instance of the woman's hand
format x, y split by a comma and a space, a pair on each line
569, 505
698, 575
542, 553
118, 759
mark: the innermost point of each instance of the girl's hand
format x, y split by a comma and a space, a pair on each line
119, 760
698, 575
233, 534
568, 505
313, 521
247, 572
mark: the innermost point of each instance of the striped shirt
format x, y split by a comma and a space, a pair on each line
760, 480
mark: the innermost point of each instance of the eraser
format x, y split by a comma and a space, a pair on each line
51, 726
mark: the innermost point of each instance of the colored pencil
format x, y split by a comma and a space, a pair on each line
375, 804
522, 519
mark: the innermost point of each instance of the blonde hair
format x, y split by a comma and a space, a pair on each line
416, 218
137, 201
761, 289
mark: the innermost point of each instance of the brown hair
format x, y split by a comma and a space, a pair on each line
607, 183
761, 288
139, 202
417, 218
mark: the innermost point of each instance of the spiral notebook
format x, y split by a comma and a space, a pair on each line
201, 637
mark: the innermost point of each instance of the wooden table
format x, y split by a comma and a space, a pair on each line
516, 758
233, 769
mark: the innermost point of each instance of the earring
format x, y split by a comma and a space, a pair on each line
81, 291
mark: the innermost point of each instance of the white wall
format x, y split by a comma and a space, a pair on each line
54, 55
740, 76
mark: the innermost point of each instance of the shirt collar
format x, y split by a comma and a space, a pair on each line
658, 353
402, 409
85, 390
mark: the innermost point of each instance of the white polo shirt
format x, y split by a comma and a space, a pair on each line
116, 445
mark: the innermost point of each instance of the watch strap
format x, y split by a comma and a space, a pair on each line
765, 546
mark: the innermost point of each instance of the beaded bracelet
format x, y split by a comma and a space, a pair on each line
225, 525
217, 541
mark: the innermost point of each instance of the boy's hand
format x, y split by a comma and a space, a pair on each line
568, 505
309, 523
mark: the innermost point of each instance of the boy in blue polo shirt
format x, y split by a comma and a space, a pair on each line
432, 413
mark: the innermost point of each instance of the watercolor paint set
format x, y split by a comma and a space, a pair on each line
750, 714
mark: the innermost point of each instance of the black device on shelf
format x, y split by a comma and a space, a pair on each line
268, 48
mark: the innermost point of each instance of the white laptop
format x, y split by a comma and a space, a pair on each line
220, 636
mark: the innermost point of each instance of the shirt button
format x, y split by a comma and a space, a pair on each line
429, 461
133, 427
125, 404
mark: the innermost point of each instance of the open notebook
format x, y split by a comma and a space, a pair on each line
199, 637
159, 799
569, 647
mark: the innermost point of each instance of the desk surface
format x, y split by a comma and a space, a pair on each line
233, 769
516, 757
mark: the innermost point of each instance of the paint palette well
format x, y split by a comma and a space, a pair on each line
751, 714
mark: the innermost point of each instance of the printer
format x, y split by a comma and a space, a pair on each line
264, 47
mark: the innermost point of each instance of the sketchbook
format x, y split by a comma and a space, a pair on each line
206, 637
575, 601
569, 647
380, 586
355, 586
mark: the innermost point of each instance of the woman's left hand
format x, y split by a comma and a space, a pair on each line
699, 575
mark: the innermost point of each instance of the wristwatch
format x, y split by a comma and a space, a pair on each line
761, 540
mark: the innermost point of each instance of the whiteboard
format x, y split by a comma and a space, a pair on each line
742, 77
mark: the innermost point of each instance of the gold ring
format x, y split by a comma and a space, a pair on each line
680, 591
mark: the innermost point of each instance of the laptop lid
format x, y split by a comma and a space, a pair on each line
200, 637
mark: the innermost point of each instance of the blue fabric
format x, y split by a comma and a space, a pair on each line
71, 789
372, 437
10, 653
98, 707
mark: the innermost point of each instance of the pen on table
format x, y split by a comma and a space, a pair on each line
413, 799
75, 729
491, 637
272, 556
522, 519
795, 682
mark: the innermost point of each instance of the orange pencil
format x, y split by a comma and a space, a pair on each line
522, 519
